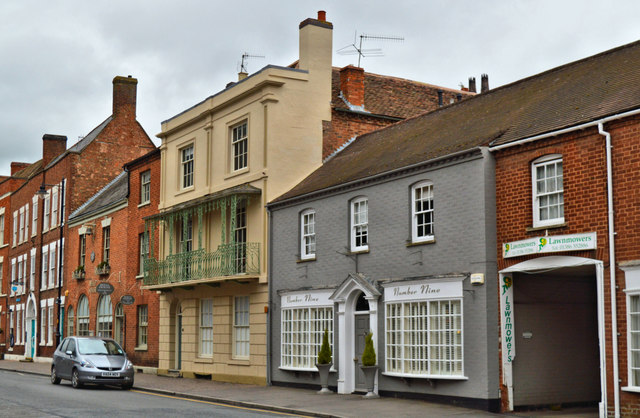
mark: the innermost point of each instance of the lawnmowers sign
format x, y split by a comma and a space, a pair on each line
553, 244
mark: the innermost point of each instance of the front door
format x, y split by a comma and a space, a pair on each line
32, 339
362, 329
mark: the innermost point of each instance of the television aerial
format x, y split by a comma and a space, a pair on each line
372, 52
245, 58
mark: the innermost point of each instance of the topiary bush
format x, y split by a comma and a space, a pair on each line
369, 354
324, 356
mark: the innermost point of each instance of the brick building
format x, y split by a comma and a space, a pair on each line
106, 245
37, 228
567, 180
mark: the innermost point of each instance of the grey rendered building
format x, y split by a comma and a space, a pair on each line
394, 235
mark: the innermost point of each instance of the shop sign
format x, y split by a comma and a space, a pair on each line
550, 244
306, 298
421, 290
127, 300
105, 288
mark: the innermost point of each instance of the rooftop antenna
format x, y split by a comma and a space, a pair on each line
374, 52
245, 58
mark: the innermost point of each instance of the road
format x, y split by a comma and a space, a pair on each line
27, 395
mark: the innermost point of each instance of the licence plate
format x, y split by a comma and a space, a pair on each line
110, 374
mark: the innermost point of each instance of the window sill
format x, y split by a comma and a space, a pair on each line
542, 228
425, 376
239, 362
186, 190
4, 245
207, 360
304, 369
304, 260
140, 348
236, 173
417, 243
140, 276
635, 389
143, 204
364, 251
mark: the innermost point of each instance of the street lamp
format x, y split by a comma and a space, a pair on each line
42, 192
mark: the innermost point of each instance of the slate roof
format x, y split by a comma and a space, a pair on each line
109, 196
393, 96
575, 93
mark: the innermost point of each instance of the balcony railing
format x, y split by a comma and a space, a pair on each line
227, 260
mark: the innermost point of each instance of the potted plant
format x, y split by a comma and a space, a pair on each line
369, 367
103, 268
78, 273
324, 363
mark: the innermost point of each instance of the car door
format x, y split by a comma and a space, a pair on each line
67, 359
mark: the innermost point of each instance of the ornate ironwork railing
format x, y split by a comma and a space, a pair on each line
227, 260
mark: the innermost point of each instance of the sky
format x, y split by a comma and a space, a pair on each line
58, 58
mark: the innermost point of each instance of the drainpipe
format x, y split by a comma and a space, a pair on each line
612, 272
270, 294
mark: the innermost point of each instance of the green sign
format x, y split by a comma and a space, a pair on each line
550, 244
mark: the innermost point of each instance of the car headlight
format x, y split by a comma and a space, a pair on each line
128, 365
87, 364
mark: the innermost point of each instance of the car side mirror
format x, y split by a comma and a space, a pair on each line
69, 353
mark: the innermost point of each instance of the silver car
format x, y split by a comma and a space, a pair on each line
91, 360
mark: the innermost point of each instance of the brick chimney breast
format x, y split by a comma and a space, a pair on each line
124, 96
52, 146
352, 85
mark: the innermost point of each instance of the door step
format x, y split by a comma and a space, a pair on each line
27, 360
171, 373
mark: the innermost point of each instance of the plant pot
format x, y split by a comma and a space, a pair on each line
324, 378
370, 380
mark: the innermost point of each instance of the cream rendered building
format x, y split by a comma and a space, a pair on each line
222, 161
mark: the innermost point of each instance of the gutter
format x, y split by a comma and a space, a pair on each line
612, 256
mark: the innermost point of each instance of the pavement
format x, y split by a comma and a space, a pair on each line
295, 401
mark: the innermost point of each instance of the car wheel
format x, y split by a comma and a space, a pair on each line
75, 379
54, 376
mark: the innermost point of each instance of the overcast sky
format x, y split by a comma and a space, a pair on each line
58, 58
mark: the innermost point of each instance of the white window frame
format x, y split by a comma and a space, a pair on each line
34, 215
143, 326
422, 218
32, 280
18, 336
54, 207
106, 244
26, 222
145, 187
359, 222
21, 222
83, 316
44, 267
1, 227
104, 317
547, 161
240, 146
15, 228
1, 274
52, 265
205, 336
47, 208
419, 315
301, 332
70, 321
14, 276
241, 327
187, 166
308, 235
143, 239
43, 322
50, 322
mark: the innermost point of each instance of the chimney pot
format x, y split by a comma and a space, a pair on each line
472, 84
322, 15
484, 86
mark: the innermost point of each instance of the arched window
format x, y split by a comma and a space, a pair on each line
118, 332
105, 316
83, 316
70, 322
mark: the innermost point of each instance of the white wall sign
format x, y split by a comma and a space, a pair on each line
421, 290
306, 298
552, 244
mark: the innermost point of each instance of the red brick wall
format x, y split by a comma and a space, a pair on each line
585, 197
346, 125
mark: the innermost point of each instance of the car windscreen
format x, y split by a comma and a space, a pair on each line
99, 347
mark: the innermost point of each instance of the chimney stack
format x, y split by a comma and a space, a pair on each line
15, 167
484, 86
472, 84
52, 146
124, 96
352, 85
242, 75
